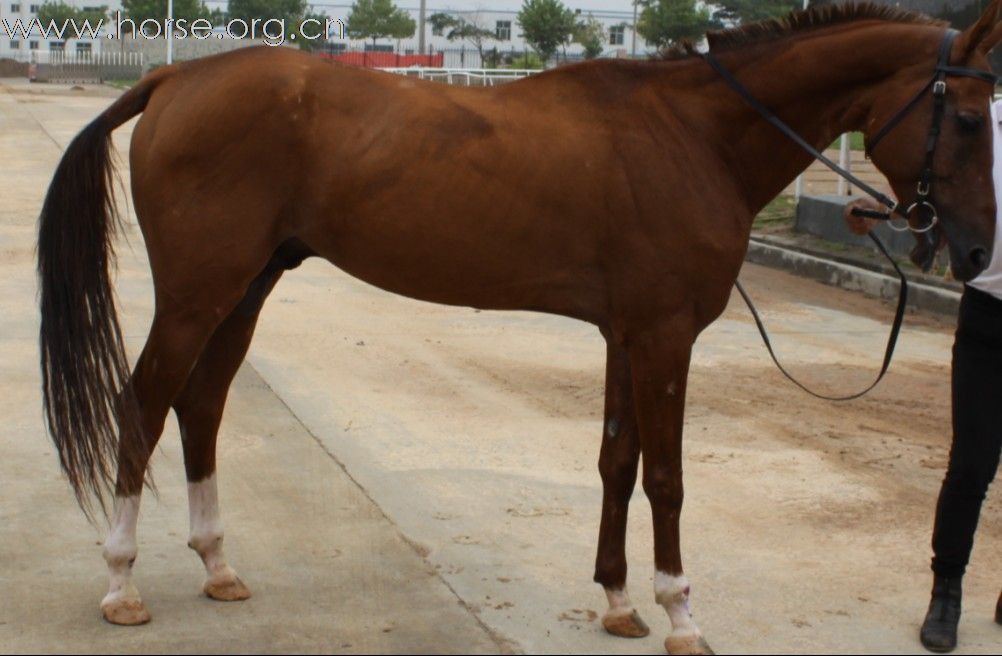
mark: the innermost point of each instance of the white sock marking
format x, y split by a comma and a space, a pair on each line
672, 592
120, 549
619, 601
206, 527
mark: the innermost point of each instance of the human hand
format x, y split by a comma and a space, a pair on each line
861, 225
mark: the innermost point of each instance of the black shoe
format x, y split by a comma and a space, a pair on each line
998, 610
939, 630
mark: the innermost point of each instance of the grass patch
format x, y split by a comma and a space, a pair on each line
779, 213
121, 84
855, 142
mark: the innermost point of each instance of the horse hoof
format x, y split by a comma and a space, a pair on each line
125, 612
229, 589
690, 644
625, 623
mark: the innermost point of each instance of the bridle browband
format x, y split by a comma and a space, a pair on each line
923, 188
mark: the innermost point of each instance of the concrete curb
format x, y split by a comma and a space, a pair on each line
921, 297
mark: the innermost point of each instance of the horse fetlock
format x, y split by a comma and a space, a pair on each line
118, 558
205, 544
671, 590
672, 593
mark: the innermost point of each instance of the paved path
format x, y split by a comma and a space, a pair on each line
399, 476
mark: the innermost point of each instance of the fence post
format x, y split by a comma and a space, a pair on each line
843, 161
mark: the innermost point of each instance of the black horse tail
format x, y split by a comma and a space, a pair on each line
85, 373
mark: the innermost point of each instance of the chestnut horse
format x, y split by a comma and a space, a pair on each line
620, 193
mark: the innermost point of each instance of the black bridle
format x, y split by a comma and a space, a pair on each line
921, 202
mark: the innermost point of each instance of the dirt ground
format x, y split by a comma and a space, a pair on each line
400, 476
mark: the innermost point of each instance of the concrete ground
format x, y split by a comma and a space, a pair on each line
403, 477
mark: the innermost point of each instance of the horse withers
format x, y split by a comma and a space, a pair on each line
620, 193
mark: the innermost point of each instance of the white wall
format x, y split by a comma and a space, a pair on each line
487, 18
11, 10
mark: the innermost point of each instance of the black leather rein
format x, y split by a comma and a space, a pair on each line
923, 192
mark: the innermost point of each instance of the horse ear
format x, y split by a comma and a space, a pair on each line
981, 36
992, 40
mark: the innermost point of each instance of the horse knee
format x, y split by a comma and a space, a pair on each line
665, 491
619, 474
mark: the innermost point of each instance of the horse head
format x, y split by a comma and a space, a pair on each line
932, 137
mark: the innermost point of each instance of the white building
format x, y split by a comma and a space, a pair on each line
14, 44
620, 38
503, 24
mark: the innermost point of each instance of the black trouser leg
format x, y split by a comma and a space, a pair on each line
977, 430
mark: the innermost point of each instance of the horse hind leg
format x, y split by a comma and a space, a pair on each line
178, 337
618, 462
199, 409
175, 341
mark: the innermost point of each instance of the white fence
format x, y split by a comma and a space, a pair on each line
470, 77
76, 58
56, 66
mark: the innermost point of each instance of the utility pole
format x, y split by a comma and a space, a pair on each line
633, 39
421, 13
170, 32
798, 189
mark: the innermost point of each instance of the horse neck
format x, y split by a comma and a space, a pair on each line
821, 83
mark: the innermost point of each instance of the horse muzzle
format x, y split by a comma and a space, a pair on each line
966, 261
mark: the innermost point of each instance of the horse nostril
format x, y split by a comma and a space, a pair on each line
979, 258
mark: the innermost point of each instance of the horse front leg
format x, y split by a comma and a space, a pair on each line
659, 360
617, 465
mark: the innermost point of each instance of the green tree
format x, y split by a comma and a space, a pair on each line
440, 22
748, 11
590, 33
666, 22
377, 19
468, 29
248, 10
546, 25
292, 12
60, 12
140, 10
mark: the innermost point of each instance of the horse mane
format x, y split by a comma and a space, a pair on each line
814, 17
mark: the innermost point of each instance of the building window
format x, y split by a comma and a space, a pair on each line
33, 45
15, 9
15, 45
57, 46
503, 30
33, 8
617, 35
83, 47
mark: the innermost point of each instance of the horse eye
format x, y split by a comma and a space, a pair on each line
970, 122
